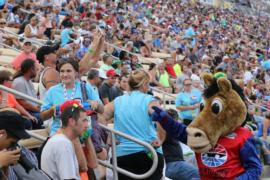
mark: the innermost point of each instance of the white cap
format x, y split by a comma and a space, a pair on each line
102, 74
195, 78
225, 57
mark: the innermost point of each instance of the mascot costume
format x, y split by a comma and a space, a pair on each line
224, 149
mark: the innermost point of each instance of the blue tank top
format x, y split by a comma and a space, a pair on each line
131, 117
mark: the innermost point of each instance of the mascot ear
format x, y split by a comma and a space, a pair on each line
224, 84
207, 78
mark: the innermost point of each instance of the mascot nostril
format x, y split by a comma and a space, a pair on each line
224, 149
198, 134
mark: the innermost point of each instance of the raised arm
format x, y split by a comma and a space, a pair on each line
91, 58
172, 127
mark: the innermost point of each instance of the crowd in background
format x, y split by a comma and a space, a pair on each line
103, 43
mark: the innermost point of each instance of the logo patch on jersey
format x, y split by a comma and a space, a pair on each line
214, 157
231, 135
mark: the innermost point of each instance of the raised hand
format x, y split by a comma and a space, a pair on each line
159, 115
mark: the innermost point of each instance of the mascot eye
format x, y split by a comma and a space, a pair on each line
216, 106
201, 106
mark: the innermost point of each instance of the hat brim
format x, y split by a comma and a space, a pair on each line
113, 75
21, 134
27, 42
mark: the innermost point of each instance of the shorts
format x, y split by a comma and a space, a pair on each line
140, 163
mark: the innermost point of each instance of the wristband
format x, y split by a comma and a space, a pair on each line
90, 50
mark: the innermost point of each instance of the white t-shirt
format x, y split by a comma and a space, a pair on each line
58, 159
247, 76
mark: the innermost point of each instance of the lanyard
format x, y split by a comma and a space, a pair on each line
66, 97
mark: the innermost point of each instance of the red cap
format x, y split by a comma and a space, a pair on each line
69, 103
111, 73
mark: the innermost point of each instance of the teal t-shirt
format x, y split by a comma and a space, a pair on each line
2, 2
188, 99
55, 96
131, 117
65, 36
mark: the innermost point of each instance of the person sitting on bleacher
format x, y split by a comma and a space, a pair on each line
32, 30
25, 54
8, 100
23, 83
49, 76
107, 91
176, 167
13, 19
7, 38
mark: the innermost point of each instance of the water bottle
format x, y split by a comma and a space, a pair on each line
86, 105
86, 135
88, 132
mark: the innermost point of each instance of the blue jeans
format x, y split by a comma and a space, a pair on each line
181, 170
39, 123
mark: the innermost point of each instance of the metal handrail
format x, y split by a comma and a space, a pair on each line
170, 95
113, 132
164, 94
262, 107
13, 48
147, 145
29, 39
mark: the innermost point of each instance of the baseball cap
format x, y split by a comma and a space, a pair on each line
220, 75
2, 20
116, 61
44, 50
74, 103
14, 124
111, 73
225, 57
27, 41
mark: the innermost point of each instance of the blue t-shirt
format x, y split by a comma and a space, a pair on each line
131, 117
2, 2
55, 96
65, 36
157, 43
190, 32
260, 128
188, 99
80, 52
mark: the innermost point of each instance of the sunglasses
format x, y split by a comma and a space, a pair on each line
28, 44
187, 84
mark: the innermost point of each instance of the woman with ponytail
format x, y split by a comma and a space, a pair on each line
131, 113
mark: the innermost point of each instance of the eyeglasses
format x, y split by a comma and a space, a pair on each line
28, 44
187, 84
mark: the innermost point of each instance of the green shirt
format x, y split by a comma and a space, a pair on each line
177, 69
105, 67
164, 79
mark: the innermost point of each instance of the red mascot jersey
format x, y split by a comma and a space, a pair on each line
223, 161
